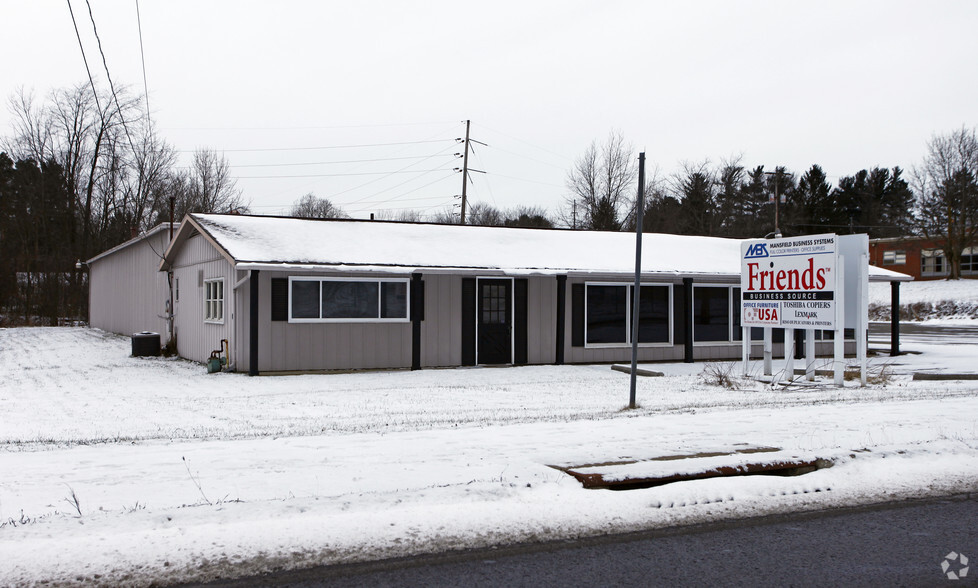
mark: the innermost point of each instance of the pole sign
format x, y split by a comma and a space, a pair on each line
789, 282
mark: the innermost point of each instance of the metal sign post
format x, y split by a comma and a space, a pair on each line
637, 296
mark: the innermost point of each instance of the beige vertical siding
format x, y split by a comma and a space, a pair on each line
441, 330
541, 319
127, 293
196, 261
285, 346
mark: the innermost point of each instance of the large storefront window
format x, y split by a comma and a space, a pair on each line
712, 310
608, 311
345, 300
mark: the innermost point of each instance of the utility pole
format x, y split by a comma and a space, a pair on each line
465, 169
777, 200
172, 200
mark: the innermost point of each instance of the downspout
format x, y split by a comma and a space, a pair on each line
235, 324
171, 310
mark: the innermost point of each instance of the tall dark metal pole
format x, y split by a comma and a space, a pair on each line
894, 318
465, 169
777, 203
637, 292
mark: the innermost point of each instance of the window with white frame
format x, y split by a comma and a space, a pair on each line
932, 262
214, 300
314, 299
894, 257
608, 314
969, 260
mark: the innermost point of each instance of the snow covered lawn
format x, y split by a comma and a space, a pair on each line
184, 476
928, 300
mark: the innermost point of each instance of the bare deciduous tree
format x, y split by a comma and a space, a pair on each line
212, 187
484, 214
601, 184
409, 215
446, 216
206, 186
947, 194
311, 206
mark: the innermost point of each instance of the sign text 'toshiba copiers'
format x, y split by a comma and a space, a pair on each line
789, 282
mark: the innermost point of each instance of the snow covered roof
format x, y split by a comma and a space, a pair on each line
261, 242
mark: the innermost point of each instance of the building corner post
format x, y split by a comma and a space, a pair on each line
417, 315
561, 318
253, 323
688, 320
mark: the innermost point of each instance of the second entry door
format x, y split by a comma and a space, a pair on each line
494, 318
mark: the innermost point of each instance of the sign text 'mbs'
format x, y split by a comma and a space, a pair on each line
789, 282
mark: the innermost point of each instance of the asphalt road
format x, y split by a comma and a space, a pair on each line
888, 545
946, 334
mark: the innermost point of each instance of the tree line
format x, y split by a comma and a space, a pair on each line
82, 171
938, 199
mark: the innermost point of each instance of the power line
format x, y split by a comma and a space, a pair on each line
330, 162
388, 189
105, 64
352, 146
391, 187
530, 181
520, 155
488, 185
564, 157
142, 58
85, 59
399, 196
378, 179
342, 175
309, 128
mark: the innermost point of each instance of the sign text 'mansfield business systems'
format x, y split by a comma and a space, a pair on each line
789, 282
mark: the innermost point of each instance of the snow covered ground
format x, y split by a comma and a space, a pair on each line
933, 301
119, 470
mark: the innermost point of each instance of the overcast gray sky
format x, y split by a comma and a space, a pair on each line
844, 84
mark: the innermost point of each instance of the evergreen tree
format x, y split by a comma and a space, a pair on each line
812, 208
877, 202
